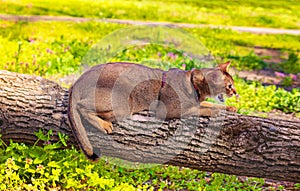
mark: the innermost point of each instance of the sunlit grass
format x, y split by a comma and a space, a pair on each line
58, 48
277, 14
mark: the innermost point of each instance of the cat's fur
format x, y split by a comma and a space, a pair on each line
112, 91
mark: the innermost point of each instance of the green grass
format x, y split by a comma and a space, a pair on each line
256, 97
239, 48
277, 14
58, 48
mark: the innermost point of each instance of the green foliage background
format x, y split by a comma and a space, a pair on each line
55, 49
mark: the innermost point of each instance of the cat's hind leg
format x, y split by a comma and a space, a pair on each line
89, 114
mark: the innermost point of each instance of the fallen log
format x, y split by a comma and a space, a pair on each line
230, 143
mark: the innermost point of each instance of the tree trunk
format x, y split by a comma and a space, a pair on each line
230, 143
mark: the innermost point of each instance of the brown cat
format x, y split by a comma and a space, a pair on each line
113, 91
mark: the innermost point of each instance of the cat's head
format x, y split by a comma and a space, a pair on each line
214, 82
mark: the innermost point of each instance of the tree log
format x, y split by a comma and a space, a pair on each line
230, 143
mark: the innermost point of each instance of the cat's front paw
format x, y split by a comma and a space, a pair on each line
231, 109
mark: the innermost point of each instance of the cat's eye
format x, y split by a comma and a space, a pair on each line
230, 86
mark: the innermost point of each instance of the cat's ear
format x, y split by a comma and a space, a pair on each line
197, 76
224, 67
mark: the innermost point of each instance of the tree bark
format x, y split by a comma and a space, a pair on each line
230, 143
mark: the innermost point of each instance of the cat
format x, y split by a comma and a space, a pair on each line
113, 91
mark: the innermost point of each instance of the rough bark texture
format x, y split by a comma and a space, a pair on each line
230, 143
29, 103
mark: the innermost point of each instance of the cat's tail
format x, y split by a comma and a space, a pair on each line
78, 128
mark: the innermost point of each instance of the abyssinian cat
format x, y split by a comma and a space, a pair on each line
113, 91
